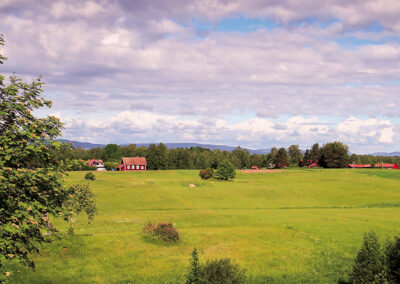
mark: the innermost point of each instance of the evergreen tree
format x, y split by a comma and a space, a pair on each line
281, 159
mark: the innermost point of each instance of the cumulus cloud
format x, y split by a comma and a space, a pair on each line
106, 58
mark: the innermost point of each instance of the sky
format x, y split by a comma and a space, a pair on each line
254, 73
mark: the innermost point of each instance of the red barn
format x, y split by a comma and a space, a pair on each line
133, 164
364, 166
387, 166
94, 162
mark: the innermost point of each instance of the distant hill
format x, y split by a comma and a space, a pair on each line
87, 145
386, 154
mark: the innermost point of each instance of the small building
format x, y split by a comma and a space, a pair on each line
356, 166
133, 164
254, 168
94, 162
387, 166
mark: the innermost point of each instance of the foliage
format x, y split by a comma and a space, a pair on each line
164, 232
295, 154
242, 157
111, 152
206, 173
78, 165
111, 165
225, 170
31, 185
392, 260
214, 271
194, 275
90, 176
334, 155
369, 263
80, 199
281, 159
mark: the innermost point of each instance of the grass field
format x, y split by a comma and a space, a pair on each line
300, 225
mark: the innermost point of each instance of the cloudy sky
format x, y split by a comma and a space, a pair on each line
255, 73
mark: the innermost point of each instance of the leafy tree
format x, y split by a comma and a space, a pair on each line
80, 199
27, 195
112, 152
315, 152
243, 157
281, 159
334, 155
225, 170
295, 154
369, 263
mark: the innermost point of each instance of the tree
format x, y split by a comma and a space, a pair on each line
80, 199
27, 195
392, 260
281, 159
112, 152
334, 155
194, 275
295, 154
369, 263
243, 157
225, 170
315, 152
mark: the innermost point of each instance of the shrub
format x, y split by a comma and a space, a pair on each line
392, 260
214, 271
225, 170
90, 176
164, 232
207, 173
369, 263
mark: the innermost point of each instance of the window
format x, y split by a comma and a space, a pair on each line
128, 167
142, 167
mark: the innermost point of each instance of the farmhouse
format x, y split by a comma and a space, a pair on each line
364, 166
387, 166
94, 162
133, 164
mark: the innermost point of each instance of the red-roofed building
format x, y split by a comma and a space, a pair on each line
254, 168
94, 162
387, 166
364, 166
133, 164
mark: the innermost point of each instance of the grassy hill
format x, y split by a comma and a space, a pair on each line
298, 225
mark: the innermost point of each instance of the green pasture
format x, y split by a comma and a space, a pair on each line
300, 225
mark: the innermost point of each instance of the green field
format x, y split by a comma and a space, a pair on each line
301, 225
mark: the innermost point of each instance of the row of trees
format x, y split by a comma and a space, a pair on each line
159, 157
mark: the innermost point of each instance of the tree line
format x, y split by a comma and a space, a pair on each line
159, 157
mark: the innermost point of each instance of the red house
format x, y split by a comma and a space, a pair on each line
365, 166
387, 166
94, 162
254, 168
133, 164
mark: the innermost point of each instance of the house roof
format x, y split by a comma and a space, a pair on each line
385, 165
134, 161
360, 166
94, 160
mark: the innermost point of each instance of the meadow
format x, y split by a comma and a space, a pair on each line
299, 225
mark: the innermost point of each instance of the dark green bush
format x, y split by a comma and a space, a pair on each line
90, 176
369, 266
392, 260
225, 170
164, 232
219, 271
207, 173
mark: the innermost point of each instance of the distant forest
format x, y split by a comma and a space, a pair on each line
159, 157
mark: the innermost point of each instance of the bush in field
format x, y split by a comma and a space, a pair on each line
225, 170
392, 261
90, 176
164, 232
369, 266
215, 271
207, 173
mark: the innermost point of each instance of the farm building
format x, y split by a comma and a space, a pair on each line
133, 164
387, 166
94, 162
254, 168
364, 166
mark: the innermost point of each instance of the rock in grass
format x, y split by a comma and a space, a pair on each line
192, 185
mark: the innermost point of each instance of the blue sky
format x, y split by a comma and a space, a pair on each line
251, 73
